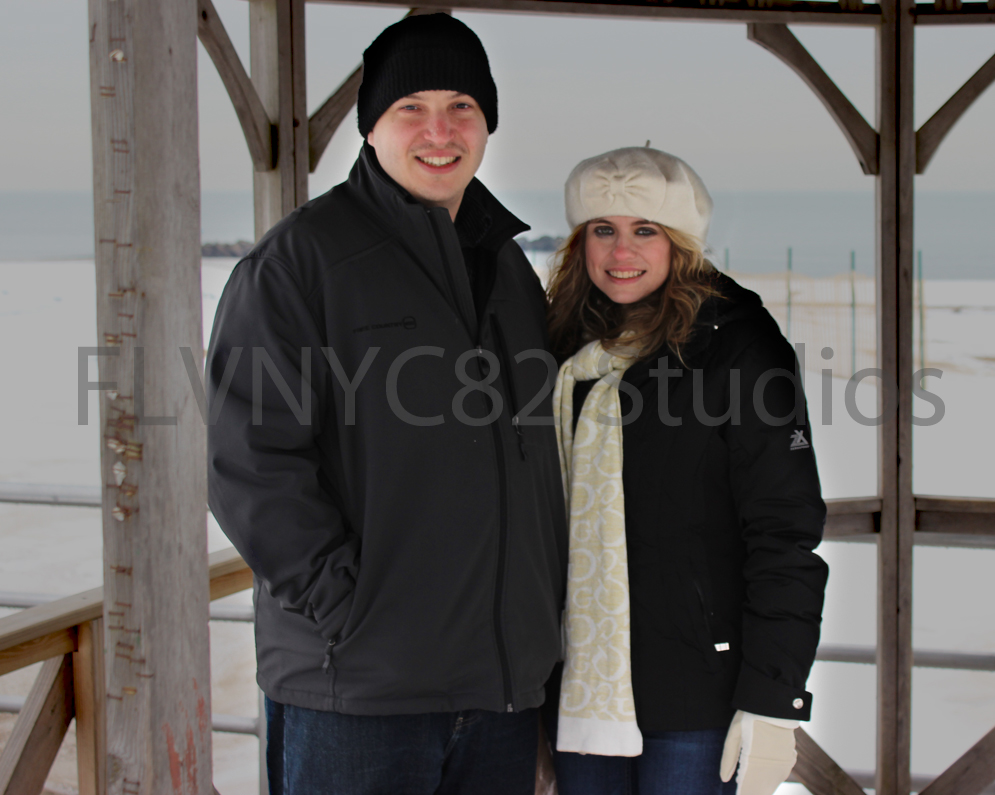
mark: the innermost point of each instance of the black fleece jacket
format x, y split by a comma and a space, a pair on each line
407, 537
721, 517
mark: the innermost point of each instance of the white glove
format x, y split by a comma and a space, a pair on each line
763, 747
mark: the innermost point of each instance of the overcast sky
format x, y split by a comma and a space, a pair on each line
568, 88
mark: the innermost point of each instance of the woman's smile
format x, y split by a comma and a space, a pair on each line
627, 258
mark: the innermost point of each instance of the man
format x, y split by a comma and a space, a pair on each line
383, 456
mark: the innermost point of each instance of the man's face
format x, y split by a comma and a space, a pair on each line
431, 143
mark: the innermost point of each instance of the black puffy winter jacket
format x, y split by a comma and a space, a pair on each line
409, 550
722, 513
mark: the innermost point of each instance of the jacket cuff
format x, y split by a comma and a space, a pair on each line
762, 695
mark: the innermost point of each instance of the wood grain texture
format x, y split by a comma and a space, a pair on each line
969, 775
256, 124
851, 505
894, 200
935, 129
41, 726
959, 523
967, 14
333, 111
51, 617
779, 40
843, 526
91, 716
979, 505
276, 44
55, 644
37, 633
817, 770
143, 56
779, 11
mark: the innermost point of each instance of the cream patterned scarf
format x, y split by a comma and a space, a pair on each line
597, 711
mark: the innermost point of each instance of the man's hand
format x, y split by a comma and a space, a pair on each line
764, 749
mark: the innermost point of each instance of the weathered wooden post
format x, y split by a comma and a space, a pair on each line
894, 204
277, 65
147, 217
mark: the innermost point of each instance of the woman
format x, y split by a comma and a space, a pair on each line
694, 596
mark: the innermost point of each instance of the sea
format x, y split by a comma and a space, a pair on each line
47, 311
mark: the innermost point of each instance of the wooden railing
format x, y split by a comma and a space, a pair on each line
67, 636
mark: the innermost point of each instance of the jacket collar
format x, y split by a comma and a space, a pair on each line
481, 221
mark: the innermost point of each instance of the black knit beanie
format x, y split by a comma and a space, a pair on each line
429, 52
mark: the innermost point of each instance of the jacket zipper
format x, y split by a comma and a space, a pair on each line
509, 380
509, 705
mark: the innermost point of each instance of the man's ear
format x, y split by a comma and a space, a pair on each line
369, 139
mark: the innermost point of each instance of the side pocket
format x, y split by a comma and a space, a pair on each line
706, 637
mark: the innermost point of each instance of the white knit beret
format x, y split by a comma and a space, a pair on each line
643, 183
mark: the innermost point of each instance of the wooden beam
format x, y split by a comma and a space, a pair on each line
850, 517
50, 618
91, 716
143, 69
37, 649
967, 14
41, 726
979, 524
276, 42
931, 134
259, 131
894, 211
970, 774
765, 11
863, 139
818, 771
47, 630
326, 119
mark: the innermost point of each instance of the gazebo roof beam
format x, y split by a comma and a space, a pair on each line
784, 11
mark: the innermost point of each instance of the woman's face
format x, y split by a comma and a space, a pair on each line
627, 258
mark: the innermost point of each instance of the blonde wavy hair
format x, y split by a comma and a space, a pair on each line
579, 312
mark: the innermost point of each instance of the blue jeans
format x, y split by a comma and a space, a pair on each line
672, 763
441, 753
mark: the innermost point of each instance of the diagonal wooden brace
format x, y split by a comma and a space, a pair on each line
818, 771
931, 134
41, 726
863, 139
259, 131
970, 774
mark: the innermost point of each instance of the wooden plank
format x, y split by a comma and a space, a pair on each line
256, 124
91, 717
970, 774
51, 617
842, 526
143, 56
957, 523
931, 134
229, 573
863, 139
894, 193
818, 771
55, 644
41, 726
850, 505
276, 43
333, 111
955, 504
765, 11
967, 14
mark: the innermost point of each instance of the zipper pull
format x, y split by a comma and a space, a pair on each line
510, 708
521, 437
328, 657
